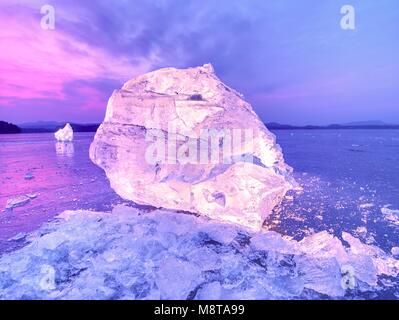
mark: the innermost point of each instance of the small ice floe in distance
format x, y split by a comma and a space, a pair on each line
65, 134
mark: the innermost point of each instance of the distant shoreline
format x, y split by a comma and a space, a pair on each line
9, 128
37, 128
332, 127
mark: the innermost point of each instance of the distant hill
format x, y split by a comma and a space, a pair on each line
51, 126
41, 125
6, 128
367, 123
353, 125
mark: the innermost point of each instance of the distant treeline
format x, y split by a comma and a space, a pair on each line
278, 126
75, 127
6, 128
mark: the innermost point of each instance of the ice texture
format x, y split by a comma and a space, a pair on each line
65, 134
181, 104
65, 149
18, 201
29, 176
161, 254
390, 215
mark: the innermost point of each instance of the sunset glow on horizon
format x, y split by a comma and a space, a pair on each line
292, 61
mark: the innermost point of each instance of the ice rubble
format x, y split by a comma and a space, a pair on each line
65, 134
390, 214
131, 254
19, 201
29, 176
179, 106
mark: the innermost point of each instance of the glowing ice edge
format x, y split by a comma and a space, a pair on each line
65, 134
132, 254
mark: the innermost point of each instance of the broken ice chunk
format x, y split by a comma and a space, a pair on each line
272, 241
390, 214
361, 231
65, 134
136, 254
348, 277
395, 252
64, 149
220, 232
47, 282
17, 202
169, 278
29, 176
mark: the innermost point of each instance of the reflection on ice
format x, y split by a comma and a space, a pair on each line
131, 254
65, 149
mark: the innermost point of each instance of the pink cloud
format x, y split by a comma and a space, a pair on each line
37, 63
94, 98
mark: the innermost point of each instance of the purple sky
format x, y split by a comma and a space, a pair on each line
290, 59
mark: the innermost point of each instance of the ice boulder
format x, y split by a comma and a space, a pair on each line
65, 134
182, 139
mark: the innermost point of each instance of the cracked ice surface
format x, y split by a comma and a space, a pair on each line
129, 254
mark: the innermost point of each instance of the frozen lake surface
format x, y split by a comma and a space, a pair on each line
61, 176
350, 181
348, 177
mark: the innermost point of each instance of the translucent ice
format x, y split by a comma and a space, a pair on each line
18, 201
29, 176
65, 134
181, 105
390, 215
65, 149
132, 254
